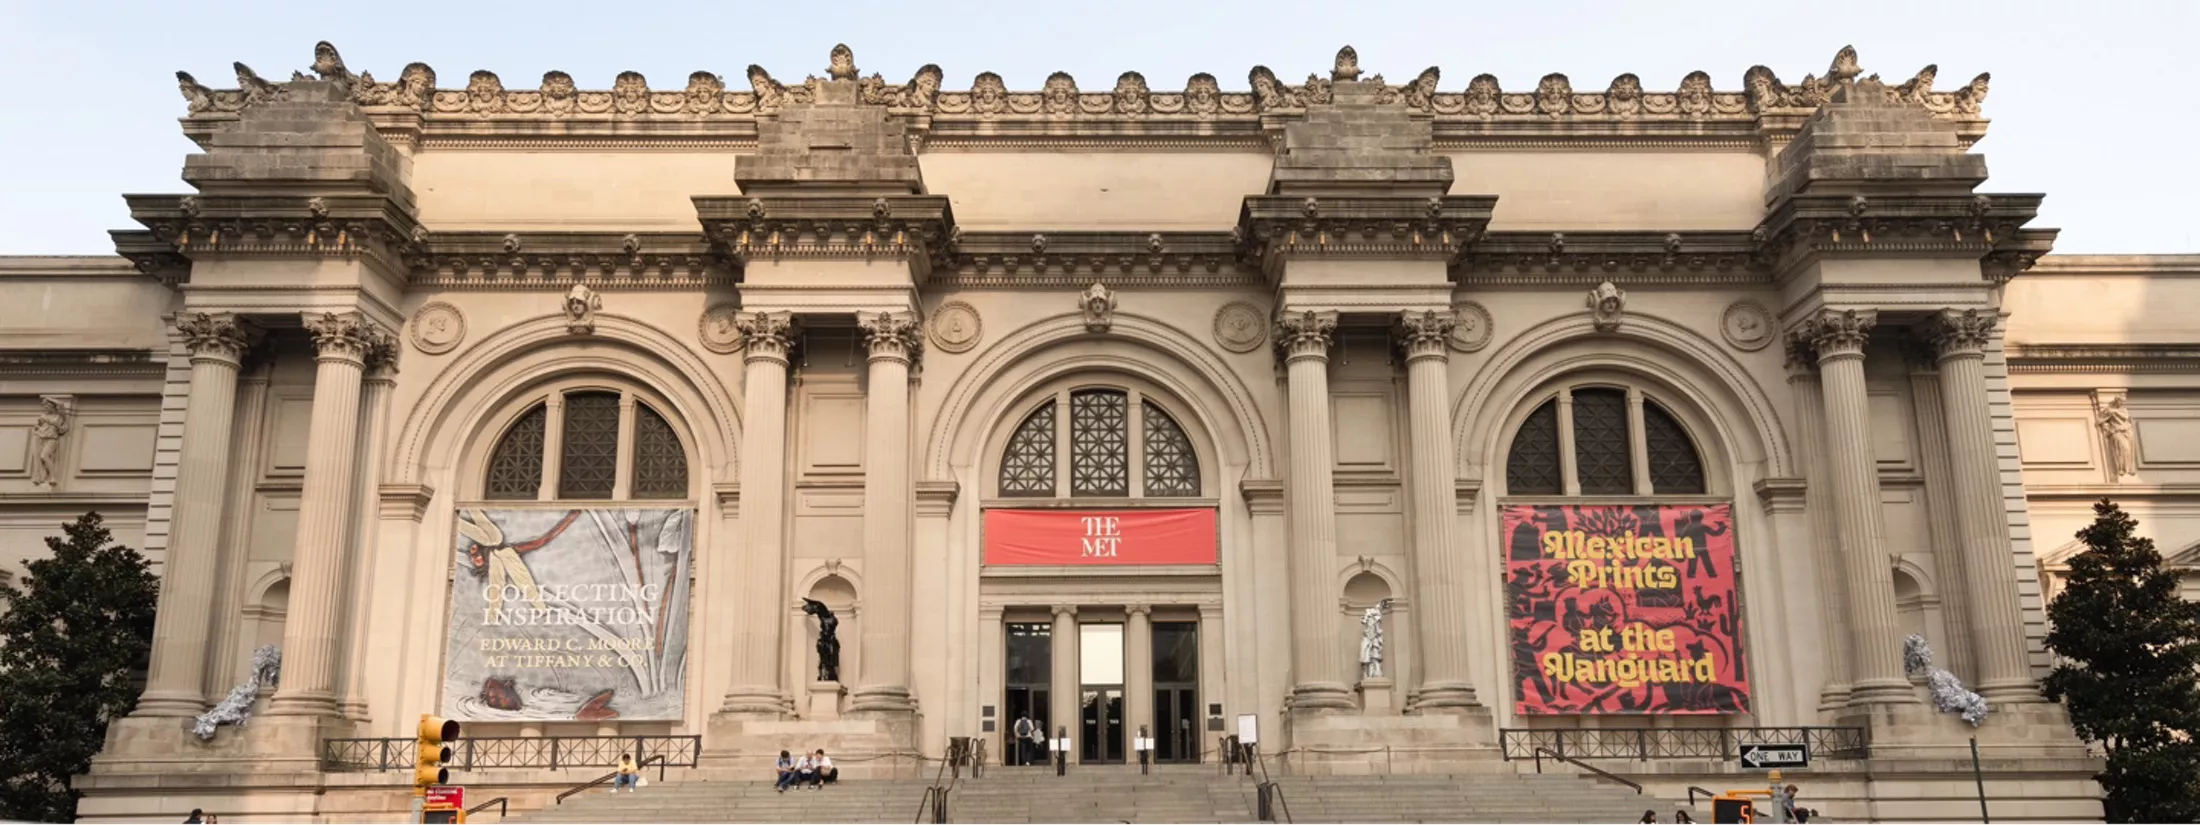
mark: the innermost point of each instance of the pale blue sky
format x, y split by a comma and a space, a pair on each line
2089, 110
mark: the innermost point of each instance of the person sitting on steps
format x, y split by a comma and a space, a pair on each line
822, 770
805, 773
628, 776
786, 771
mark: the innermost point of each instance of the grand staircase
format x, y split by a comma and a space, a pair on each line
1192, 794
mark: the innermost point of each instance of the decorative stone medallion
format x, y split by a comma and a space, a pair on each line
955, 327
718, 331
438, 328
1240, 327
1472, 331
1747, 326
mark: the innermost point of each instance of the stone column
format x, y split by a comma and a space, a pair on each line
761, 616
1876, 665
1318, 683
1940, 505
311, 642
894, 344
1064, 693
2004, 673
1441, 598
1137, 676
1810, 423
374, 411
185, 612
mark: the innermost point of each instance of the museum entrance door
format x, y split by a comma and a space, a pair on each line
1100, 724
1176, 691
1029, 682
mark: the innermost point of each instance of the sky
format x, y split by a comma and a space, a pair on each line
2088, 101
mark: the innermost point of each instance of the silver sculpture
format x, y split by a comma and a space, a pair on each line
236, 708
1949, 694
1371, 640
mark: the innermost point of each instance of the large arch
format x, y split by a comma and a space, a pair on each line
1213, 395
453, 409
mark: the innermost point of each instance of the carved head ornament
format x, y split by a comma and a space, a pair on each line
843, 63
1348, 65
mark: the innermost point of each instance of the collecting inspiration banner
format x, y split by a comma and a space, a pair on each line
577, 614
1099, 537
1624, 609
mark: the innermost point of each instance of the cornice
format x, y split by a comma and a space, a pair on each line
100, 363
1805, 228
484, 109
1589, 258
537, 260
1273, 228
916, 228
2088, 358
185, 228
1074, 260
66, 266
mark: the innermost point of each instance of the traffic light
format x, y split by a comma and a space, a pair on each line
431, 750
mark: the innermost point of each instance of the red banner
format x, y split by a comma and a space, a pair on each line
1088, 537
1622, 609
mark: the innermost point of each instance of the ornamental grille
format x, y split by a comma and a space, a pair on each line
1674, 466
1532, 468
1601, 455
660, 465
1028, 467
515, 467
1099, 437
1172, 468
590, 459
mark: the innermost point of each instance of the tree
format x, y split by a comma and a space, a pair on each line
73, 640
2130, 648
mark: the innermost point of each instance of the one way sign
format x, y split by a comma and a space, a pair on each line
1775, 756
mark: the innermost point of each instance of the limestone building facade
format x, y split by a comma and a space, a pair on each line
1119, 410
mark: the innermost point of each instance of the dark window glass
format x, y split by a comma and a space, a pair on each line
1027, 468
1172, 468
1602, 460
660, 465
1532, 468
590, 456
515, 467
1099, 437
1030, 653
1175, 653
1674, 466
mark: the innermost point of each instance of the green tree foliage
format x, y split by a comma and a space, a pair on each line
73, 640
2130, 648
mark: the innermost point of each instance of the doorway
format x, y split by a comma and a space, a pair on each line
1029, 685
1100, 677
1176, 691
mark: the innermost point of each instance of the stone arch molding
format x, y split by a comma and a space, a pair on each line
455, 407
1744, 419
1214, 395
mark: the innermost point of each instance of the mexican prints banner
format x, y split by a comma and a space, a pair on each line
561, 615
1100, 537
1624, 609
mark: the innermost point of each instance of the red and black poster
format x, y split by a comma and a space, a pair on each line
1624, 609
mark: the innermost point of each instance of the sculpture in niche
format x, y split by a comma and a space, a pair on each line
46, 434
828, 640
1371, 640
1606, 302
581, 306
1099, 304
2119, 437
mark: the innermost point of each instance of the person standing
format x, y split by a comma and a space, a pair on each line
1022, 743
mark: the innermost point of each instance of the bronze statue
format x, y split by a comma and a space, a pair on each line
828, 640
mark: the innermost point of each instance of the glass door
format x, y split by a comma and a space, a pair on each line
1029, 682
1100, 676
1176, 691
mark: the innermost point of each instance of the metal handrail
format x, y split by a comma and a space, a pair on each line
1541, 751
1693, 790
1644, 744
503, 807
659, 759
477, 753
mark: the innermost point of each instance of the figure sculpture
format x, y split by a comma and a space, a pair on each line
1371, 640
2117, 435
46, 434
828, 640
1099, 305
581, 306
236, 708
1606, 302
1949, 694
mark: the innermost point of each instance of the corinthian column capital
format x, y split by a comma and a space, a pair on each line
218, 336
769, 335
381, 357
892, 336
1305, 334
1838, 334
346, 337
1961, 333
1425, 334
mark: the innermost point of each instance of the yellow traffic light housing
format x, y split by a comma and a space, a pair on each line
431, 749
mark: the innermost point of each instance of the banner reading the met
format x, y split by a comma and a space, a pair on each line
561, 615
1624, 609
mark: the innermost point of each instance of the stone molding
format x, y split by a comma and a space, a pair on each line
1274, 228
183, 228
1807, 227
1586, 258
534, 260
1054, 260
408, 502
83, 363
916, 228
2110, 358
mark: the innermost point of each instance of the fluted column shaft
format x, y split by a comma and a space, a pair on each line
1317, 661
1137, 674
374, 411
2004, 674
1440, 592
1833, 606
894, 344
1940, 506
769, 337
1876, 660
313, 628
1063, 701
184, 616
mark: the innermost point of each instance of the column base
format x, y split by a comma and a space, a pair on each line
1832, 698
1319, 697
1376, 697
169, 705
1883, 692
1378, 745
302, 704
756, 701
1920, 731
1436, 696
881, 698
2011, 692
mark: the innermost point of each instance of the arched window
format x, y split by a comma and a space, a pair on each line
1111, 443
587, 444
1603, 441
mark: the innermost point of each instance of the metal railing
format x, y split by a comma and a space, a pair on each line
553, 752
1543, 752
1645, 744
503, 807
1693, 791
660, 760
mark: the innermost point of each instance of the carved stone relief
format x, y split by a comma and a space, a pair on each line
48, 432
1606, 302
438, 328
581, 306
1240, 327
1747, 326
718, 331
1472, 330
2119, 437
1099, 305
956, 327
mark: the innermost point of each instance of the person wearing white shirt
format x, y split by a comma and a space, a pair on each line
822, 770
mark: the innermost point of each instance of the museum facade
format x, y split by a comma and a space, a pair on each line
1395, 428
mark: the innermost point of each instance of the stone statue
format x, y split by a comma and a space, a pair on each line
1371, 640
2117, 434
46, 435
1605, 304
828, 640
1099, 305
581, 306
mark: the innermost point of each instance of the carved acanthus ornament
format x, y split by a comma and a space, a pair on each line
1806, 227
1425, 334
1837, 333
1961, 333
343, 337
180, 228
217, 335
892, 335
916, 228
769, 336
1272, 228
1304, 335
